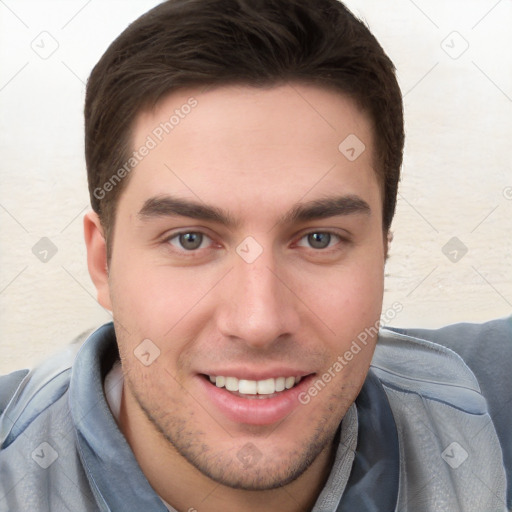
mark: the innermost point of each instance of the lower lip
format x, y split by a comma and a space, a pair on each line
255, 411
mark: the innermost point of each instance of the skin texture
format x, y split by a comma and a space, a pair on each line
256, 154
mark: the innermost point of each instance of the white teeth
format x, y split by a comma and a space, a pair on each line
266, 387
232, 383
255, 387
280, 383
247, 387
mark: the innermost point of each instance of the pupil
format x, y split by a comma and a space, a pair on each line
191, 240
319, 240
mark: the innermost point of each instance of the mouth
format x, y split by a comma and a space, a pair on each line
254, 402
254, 389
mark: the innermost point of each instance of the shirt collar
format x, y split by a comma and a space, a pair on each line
374, 480
113, 472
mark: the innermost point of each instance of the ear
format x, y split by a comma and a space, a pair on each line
97, 257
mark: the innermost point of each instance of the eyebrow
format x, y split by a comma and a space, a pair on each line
168, 206
325, 208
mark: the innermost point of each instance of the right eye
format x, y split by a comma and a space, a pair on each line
189, 240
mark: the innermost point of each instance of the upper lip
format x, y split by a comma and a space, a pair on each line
249, 374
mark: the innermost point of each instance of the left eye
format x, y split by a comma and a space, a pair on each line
319, 240
190, 241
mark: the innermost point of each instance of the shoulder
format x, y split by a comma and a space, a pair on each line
26, 394
415, 365
40, 465
486, 350
450, 391
483, 344
36, 434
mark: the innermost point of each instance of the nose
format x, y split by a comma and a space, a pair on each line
258, 305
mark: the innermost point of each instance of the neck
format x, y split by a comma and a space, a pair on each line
184, 487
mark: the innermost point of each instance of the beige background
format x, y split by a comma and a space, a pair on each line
457, 177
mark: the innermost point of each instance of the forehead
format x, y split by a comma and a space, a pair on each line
261, 145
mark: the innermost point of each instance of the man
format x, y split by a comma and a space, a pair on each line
243, 160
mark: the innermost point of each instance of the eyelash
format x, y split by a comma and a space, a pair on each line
194, 252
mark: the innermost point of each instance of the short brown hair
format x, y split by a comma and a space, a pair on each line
186, 43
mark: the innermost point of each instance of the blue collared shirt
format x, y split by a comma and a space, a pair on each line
428, 439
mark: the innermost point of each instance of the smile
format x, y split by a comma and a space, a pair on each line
252, 388
255, 402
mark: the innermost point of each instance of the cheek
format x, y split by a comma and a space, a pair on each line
157, 301
141, 296
352, 294
350, 306
365, 288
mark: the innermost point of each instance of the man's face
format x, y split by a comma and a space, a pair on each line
248, 247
